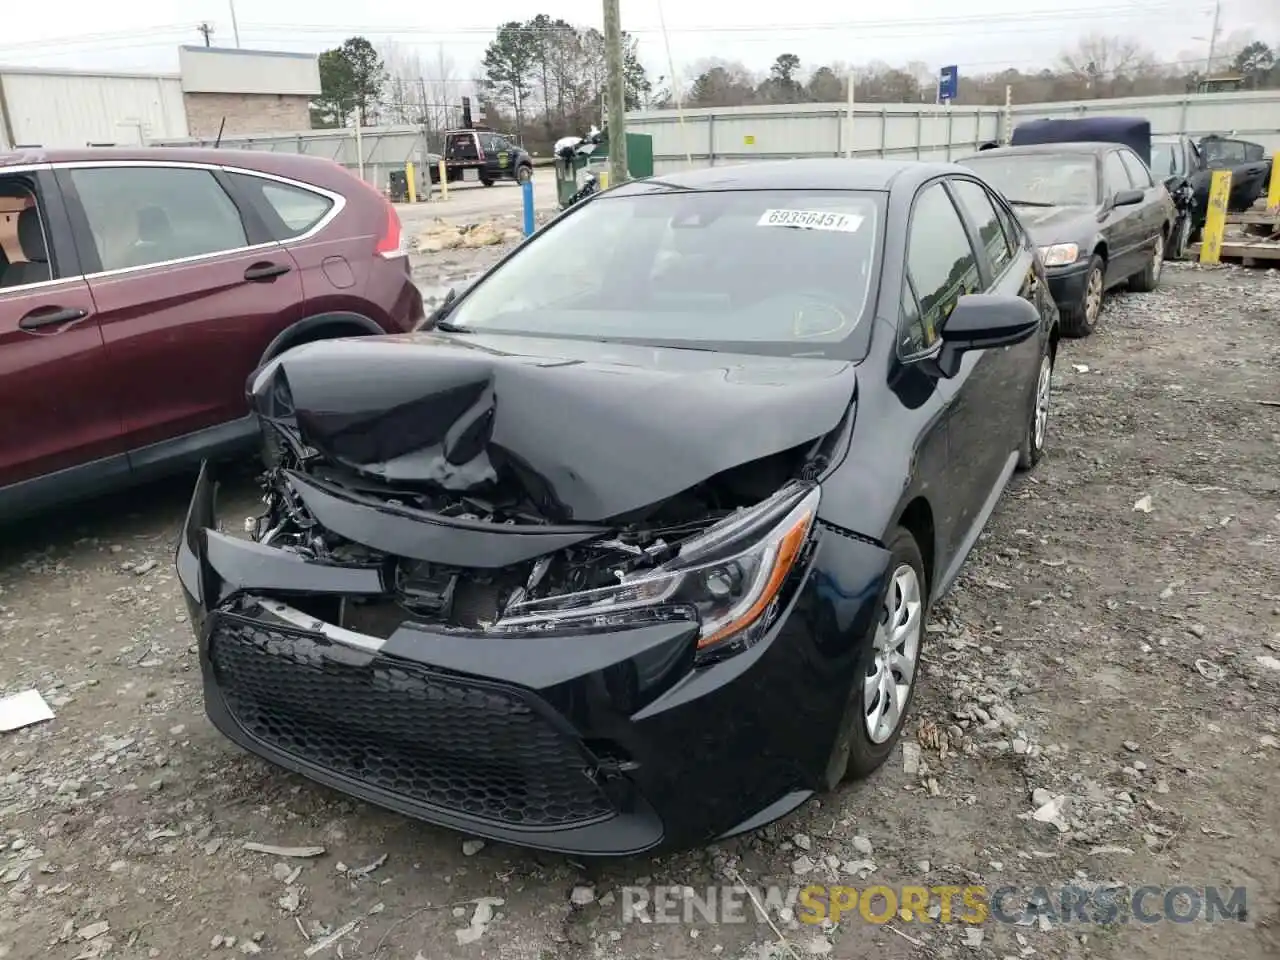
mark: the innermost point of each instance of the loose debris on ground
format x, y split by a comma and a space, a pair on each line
1100, 708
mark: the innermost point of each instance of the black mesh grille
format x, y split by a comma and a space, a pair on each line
474, 749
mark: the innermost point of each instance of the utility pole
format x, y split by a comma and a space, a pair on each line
235, 28
205, 31
1213, 37
617, 91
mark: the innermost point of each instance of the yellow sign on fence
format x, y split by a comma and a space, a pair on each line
749, 140
1215, 220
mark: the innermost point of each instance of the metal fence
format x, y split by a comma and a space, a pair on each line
375, 153
926, 132
786, 131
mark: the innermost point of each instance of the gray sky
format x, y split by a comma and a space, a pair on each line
980, 36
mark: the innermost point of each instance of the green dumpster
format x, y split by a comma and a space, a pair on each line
569, 172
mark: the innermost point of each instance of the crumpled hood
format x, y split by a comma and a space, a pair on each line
590, 430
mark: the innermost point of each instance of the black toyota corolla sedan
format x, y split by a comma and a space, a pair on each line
633, 545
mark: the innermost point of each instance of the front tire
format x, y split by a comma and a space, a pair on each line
1033, 441
1080, 320
1181, 238
890, 665
1149, 278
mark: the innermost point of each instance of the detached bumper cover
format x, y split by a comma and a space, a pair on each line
608, 744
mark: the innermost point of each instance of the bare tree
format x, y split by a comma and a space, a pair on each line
402, 101
1102, 63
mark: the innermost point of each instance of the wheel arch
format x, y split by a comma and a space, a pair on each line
322, 326
916, 517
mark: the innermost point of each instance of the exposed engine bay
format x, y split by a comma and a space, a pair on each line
450, 596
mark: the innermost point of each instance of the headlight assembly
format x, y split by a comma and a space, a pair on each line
1059, 254
731, 576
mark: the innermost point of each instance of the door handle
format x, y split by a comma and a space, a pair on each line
265, 271
51, 317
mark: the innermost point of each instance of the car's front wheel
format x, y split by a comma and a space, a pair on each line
1033, 442
1079, 320
1149, 279
890, 667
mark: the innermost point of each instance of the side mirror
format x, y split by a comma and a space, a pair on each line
983, 321
1127, 198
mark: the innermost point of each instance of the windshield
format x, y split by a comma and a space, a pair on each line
1041, 179
1164, 159
782, 272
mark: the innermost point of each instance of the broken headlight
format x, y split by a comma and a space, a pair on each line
731, 576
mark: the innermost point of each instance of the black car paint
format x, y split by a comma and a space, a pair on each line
1124, 235
707, 750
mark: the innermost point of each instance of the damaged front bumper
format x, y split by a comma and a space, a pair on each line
604, 743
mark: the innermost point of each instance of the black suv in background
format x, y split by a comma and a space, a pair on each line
483, 155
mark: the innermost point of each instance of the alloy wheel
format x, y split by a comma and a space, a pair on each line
1093, 296
895, 651
1157, 258
1043, 386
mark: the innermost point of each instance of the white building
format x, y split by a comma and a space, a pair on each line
255, 91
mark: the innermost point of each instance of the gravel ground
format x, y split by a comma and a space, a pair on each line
1111, 658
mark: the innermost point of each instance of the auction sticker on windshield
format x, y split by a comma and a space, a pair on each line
811, 220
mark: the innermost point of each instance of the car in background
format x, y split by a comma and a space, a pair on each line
482, 155
1248, 162
139, 289
1094, 210
1177, 161
619, 531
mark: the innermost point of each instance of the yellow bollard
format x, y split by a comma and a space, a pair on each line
412, 182
1273, 194
603, 179
444, 181
1215, 220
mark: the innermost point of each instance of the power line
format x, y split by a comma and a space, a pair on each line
1081, 14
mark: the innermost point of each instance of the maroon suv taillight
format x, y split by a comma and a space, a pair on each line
391, 243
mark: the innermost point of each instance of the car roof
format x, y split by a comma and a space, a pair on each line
266, 161
1067, 146
807, 174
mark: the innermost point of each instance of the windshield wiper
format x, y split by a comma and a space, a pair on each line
448, 327
1031, 203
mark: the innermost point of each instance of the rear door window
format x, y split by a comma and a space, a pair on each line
140, 216
289, 211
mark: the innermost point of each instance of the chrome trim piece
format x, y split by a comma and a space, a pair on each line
338, 200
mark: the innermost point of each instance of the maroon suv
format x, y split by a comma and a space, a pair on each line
139, 288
